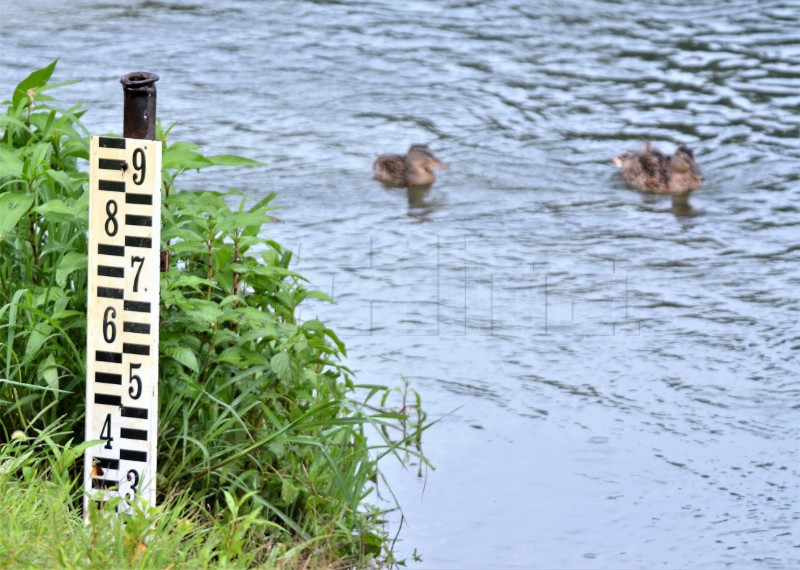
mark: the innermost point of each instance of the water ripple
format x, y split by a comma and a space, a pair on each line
640, 351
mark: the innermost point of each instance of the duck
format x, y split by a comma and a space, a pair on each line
412, 169
651, 170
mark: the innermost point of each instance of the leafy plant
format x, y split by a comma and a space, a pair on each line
43, 211
259, 421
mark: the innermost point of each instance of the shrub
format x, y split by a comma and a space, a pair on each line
257, 414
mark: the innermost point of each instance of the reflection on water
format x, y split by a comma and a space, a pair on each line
421, 204
631, 358
681, 207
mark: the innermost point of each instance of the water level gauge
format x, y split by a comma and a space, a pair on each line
123, 319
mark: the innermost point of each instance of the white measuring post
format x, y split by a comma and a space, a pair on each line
123, 320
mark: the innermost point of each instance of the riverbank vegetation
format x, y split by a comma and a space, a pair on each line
264, 454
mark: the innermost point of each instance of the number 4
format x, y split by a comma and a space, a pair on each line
105, 431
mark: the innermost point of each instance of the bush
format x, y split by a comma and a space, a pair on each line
257, 414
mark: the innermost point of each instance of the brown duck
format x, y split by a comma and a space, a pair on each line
651, 170
412, 169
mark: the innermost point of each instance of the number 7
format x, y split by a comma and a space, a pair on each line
135, 259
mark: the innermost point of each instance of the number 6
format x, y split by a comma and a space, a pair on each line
109, 328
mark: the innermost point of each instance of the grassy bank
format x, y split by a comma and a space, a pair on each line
263, 451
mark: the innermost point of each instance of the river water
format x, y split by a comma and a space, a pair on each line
616, 373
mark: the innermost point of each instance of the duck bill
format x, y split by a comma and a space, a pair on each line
436, 164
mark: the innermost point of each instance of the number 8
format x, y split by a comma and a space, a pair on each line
112, 226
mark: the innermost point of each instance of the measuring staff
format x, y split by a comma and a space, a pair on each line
123, 320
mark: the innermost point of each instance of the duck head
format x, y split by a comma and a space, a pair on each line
682, 161
419, 162
421, 156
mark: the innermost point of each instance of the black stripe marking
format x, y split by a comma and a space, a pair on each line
138, 328
110, 271
108, 378
107, 462
131, 455
138, 413
136, 241
137, 306
103, 356
105, 249
131, 220
130, 433
110, 292
111, 185
107, 400
108, 142
111, 164
131, 348
144, 199
103, 483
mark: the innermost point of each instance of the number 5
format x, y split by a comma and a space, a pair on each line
137, 380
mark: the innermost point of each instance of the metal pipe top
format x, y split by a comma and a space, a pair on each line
139, 90
138, 80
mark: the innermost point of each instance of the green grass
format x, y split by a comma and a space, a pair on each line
43, 528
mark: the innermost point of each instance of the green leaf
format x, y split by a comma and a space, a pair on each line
50, 86
35, 80
202, 311
57, 211
282, 365
191, 282
48, 371
232, 160
182, 354
242, 358
39, 334
289, 491
61, 177
37, 157
184, 156
10, 163
10, 123
13, 205
236, 221
263, 204
336, 340
71, 262
314, 294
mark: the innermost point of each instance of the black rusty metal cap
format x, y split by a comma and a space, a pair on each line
138, 80
139, 120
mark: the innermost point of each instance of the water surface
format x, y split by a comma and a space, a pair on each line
617, 372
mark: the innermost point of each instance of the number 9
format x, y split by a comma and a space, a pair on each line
140, 166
